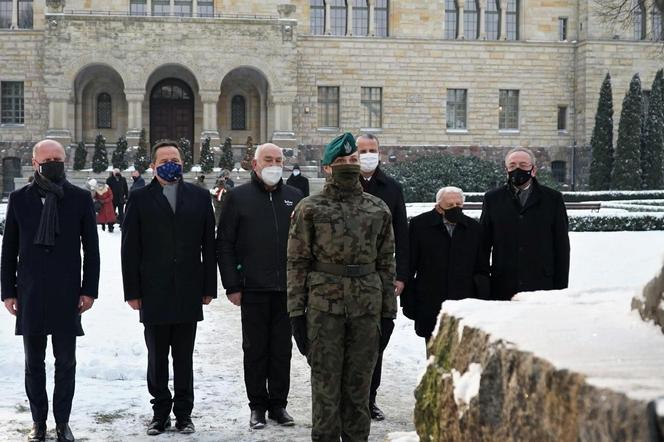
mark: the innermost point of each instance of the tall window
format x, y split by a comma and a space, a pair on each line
471, 20
451, 19
11, 102
508, 109
559, 171
639, 20
360, 17
161, 7
562, 28
317, 17
562, 118
328, 106
104, 111
372, 107
138, 7
25, 20
657, 23
238, 113
492, 18
338, 17
382, 14
205, 8
5, 14
512, 25
182, 8
456, 108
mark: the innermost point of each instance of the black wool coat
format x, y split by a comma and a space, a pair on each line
168, 259
443, 267
529, 245
299, 182
389, 190
47, 282
119, 188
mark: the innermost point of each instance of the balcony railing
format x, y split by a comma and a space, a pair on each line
89, 12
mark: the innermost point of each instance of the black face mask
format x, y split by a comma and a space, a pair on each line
453, 215
118, 174
519, 177
135, 178
54, 171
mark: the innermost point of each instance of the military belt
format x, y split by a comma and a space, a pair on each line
350, 270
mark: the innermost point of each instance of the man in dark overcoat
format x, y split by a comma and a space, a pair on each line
48, 221
447, 260
526, 230
377, 183
169, 272
118, 185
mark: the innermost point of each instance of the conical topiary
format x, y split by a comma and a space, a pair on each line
100, 157
627, 165
602, 140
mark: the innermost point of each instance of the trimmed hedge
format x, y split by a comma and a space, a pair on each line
608, 195
615, 223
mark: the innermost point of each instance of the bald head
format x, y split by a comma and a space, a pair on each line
47, 147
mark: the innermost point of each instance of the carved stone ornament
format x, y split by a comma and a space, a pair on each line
55, 5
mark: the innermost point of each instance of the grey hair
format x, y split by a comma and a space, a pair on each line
260, 148
522, 149
450, 189
369, 136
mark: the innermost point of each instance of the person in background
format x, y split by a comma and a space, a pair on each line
106, 213
118, 185
137, 179
299, 181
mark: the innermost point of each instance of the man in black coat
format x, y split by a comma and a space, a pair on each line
526, 230
299, 181
251, 248
47, 223
168, 270
138, 181
447, 260
118, 185
377, 183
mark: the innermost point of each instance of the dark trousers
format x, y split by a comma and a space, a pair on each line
267, 345
375, 379
119, 207
179, 339
64, 351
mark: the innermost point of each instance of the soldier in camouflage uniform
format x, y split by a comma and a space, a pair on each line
341, 293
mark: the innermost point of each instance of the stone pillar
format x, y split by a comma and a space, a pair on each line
210, 98
503, 20
349, 18
460, 31
283, 134
14, 14
148, 6
172, 6
328, 19
647, 20
134, 116
482, 33
194, 8
58, 119
372, 18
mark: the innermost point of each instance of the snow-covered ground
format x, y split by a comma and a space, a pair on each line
112, 402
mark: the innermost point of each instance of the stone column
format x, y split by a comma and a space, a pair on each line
14, 14
328, 19
148, 6
194, 8
482, 33
210, 99
503, 20
58, 118
283, 134
372, 18
349, 18
460, 31
172, 6
134, 116
646, 17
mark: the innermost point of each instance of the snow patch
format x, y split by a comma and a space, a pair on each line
659, 407
402, 436
466, 386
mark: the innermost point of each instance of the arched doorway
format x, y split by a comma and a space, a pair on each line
171, 111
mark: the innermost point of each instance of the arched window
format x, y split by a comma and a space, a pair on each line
512, 25
338, 17
317, 17
451, 19
492, 19
360, 17
657, 24
104, 111
381, 14
471, 20
639, 20
238, 113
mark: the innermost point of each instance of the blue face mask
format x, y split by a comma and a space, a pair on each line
170, 171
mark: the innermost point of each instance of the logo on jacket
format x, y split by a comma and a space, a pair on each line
289, 203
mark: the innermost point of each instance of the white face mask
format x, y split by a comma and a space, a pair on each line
369, 162
271, 175
296, 172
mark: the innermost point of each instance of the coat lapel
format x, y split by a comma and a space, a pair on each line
158, 195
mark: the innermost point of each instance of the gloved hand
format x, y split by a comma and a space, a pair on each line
386, 329
299, 328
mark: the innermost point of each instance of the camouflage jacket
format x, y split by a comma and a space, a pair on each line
341, 227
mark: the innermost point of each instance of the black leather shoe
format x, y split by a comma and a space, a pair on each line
257, 419
184, 425
376, 413
281, 416
64, 433
38, 432
158, 426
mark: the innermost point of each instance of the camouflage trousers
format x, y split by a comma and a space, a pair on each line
342, 355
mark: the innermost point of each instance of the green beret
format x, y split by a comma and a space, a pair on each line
341, 146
